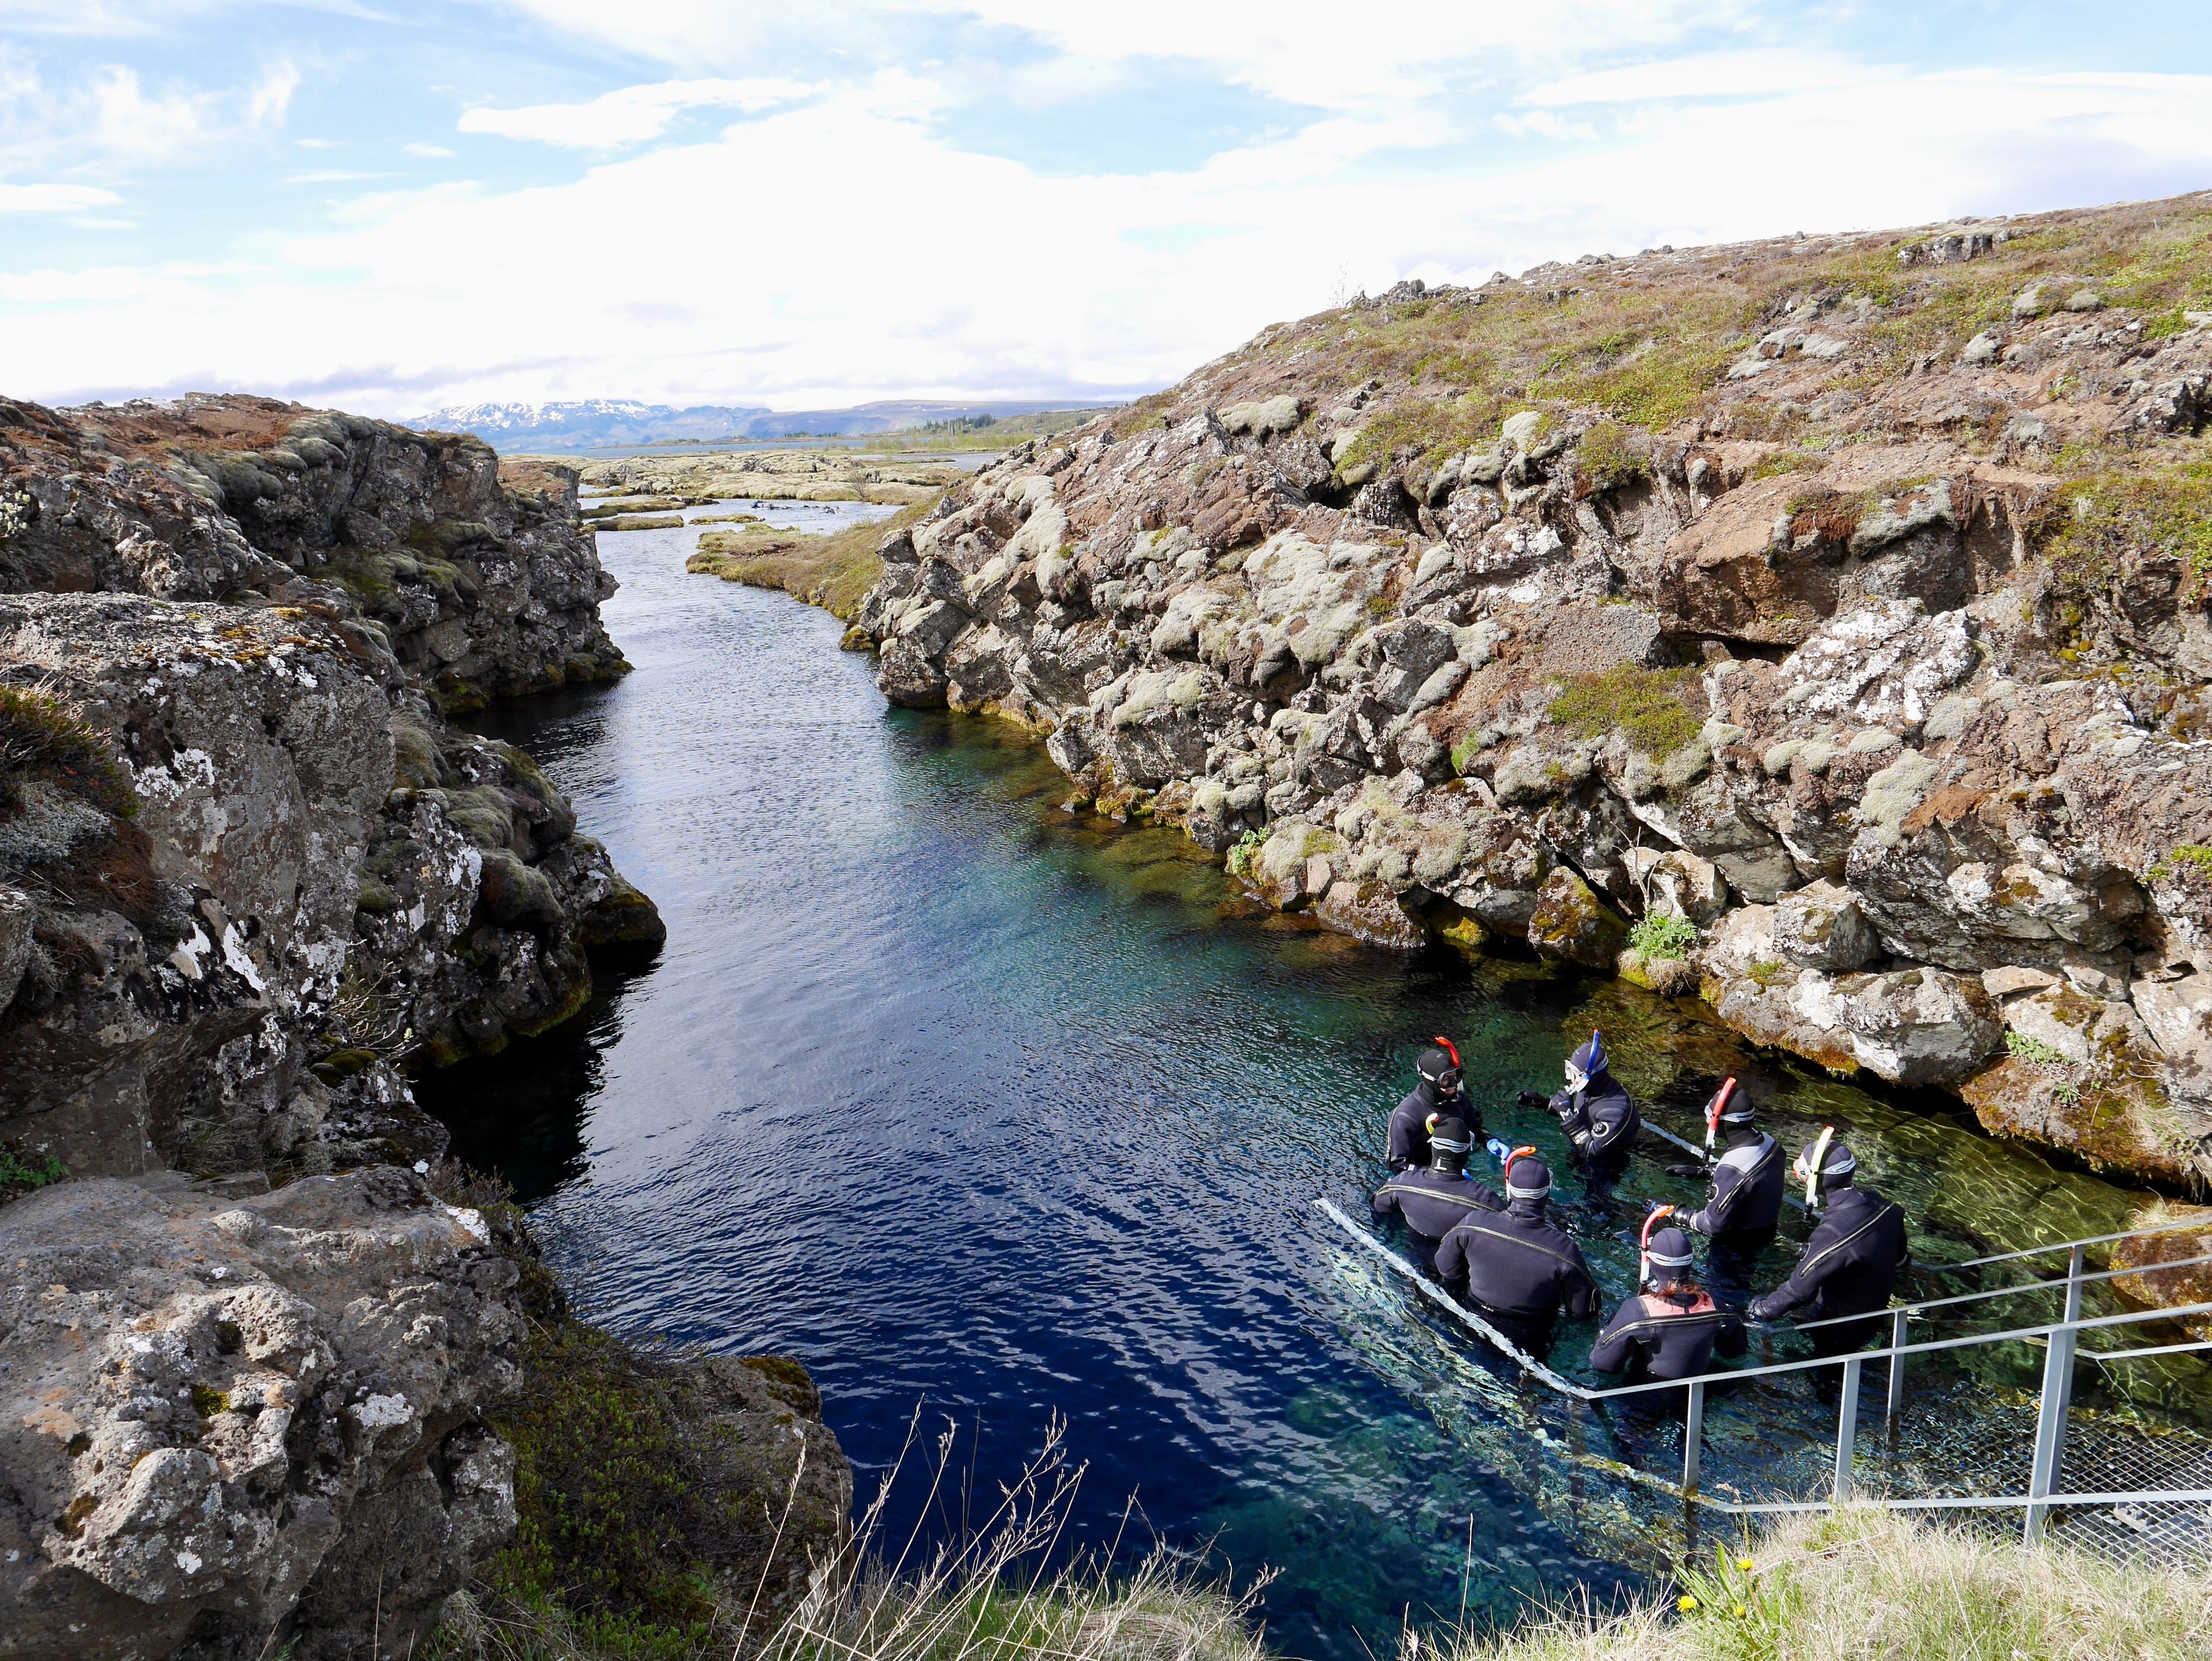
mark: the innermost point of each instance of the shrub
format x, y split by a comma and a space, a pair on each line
20, 1175
1607, 457
1662, 935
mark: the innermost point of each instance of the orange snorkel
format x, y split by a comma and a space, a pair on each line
1644, 1240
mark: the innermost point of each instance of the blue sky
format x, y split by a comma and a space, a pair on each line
393, 205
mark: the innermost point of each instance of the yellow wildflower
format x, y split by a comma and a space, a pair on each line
1686, 1603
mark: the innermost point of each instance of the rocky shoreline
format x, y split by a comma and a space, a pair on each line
252, 1358
1838, 605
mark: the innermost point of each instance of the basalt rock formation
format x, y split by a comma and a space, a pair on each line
247, 871
1838, 605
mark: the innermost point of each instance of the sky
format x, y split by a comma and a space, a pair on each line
396, 205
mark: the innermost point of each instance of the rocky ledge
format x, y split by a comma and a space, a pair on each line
1819, 626
248, 875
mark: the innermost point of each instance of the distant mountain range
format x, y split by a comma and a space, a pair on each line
602, 423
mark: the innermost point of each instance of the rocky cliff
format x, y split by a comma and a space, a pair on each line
247, 873
1831, 612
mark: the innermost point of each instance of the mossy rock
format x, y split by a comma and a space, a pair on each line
1573, 925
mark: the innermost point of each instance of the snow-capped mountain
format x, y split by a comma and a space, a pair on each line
604, 423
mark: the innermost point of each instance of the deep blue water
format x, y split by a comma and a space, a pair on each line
984, 1109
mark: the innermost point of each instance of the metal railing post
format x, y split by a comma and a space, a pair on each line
1896, 1375
1694, 1436
2058, 1397
1847, 1429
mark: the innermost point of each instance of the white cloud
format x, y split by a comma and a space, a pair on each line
110, 118
428, 152
629, 115
1710, 75
53, 199
947, 269
316, 143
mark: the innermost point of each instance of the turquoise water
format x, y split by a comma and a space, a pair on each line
1004, 1114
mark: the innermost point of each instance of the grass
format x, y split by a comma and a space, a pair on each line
1246, 850
997, 1593
834, 572
1873, 1584
1662, 935
41, 737
1647, 704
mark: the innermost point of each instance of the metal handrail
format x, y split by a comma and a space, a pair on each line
2002, 1292
2060, 1335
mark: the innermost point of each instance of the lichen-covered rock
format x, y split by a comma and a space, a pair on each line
1855, 631
214, 1409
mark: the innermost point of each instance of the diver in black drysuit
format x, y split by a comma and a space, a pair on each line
1672, 1329
1518, 1271
1435, 1200
1850, 1265
1440, 1091
1744, 1200
1597, 1113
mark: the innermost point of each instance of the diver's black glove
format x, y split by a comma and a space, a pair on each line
1686, 1171
1757, 1311
1530, 1098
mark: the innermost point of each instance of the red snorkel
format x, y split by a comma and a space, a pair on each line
1713, 1109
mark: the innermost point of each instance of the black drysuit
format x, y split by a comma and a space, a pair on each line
1433, 1203
1849, 1267
1667, 1335
1519, 1271
1746, 1201
1601, 1121
1408, 1143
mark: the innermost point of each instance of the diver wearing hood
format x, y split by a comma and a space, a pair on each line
1672, 1328
1518, 1269
1597, 1113
1745, 1202
1850, 1265
1440, 1091
1432, 1201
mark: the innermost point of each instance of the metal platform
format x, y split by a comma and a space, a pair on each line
1981, 1425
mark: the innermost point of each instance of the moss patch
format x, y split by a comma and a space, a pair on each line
1650, 706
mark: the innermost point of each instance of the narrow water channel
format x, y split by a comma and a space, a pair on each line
997, 1113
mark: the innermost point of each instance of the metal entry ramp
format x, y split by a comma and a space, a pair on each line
1980, 1425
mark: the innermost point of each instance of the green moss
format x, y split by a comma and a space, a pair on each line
1662, 935
2187, 860
42, 739
1648, 705
1767, 974
208, 1402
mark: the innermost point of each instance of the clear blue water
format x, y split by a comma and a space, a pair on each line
996, 1113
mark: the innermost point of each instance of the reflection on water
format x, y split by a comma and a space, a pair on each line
973, 1103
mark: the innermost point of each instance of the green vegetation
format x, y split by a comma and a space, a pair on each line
2188, 860
1662, 935
20, 1175
2034, 1049
1873, 1583
1246, 850
986, 432
1608, 457
2163, 510
834, 572
41, 737
1648, 705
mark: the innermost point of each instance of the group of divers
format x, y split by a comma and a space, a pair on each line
1500, 1255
